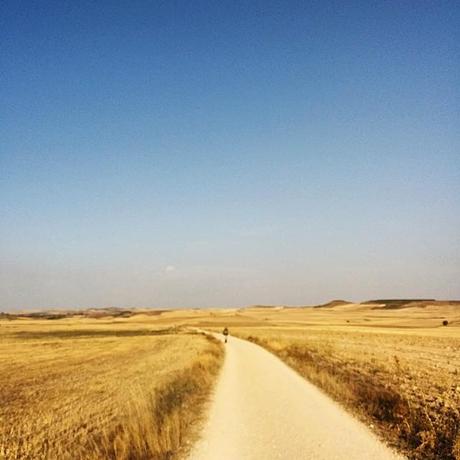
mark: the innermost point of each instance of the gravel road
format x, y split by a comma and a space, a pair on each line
263, 410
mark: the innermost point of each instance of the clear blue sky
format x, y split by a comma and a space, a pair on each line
228, 153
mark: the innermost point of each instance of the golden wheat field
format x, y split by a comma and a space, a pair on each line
79, 388
395, 367
407, 385
130, 384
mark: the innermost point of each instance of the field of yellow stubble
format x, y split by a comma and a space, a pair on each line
405, 383
82, 389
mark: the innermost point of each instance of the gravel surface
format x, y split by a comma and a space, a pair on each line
263, 410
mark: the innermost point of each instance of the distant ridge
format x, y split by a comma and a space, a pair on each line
332, 303
395, 304
262, 306
95, 313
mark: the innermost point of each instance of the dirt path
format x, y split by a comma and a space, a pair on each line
263, 410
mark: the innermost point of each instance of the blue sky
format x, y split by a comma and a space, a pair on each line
228, 153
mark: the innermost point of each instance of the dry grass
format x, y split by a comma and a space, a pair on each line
407, 386
81, 389
391, 362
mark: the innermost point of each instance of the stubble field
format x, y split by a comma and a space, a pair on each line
93, 389
398, 369
131, 384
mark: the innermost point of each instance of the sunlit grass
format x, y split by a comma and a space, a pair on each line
87, 391
406, 386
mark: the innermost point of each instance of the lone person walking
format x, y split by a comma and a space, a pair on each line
225, 332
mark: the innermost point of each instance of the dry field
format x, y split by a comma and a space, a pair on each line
78, 388
407, 385
127, 384
398, 370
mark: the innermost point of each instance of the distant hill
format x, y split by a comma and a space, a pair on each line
112, 312
395, 304
261, 306
333, 303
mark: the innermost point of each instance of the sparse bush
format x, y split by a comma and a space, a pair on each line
456, 449
383, 404
445, 322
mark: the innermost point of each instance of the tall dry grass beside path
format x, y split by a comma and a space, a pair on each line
100, 390
404, 385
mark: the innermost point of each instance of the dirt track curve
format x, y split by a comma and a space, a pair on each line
263, 410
